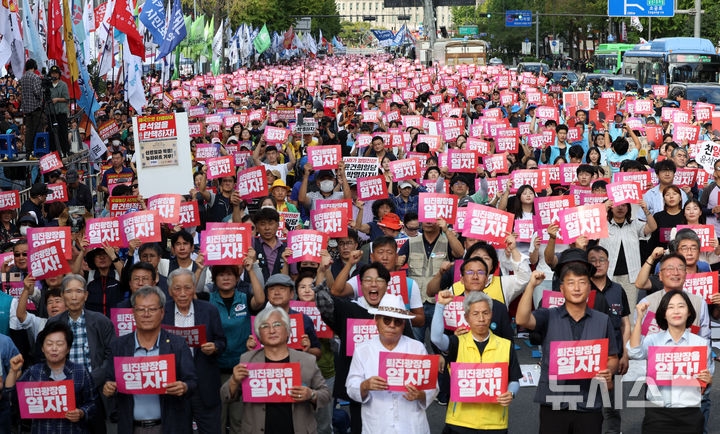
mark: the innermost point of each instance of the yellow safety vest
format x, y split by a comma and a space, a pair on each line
480, 415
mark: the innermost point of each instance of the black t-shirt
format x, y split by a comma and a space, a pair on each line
278, 416
664, 221
621, 268
228, 302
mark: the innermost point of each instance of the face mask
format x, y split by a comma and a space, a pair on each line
23, 230
327, 186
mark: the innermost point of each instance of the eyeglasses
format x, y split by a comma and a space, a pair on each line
135, 186
346, 243
141, 279
146, 310
371, 280
598, 260
678, 269
409, 229
688, 249
275, 325
17, 255
389, 320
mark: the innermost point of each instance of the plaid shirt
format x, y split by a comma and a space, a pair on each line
80, 351
85, 396
31, 91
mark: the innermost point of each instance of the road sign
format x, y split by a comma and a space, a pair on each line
468, 30
303, 24
641, 8
518, 19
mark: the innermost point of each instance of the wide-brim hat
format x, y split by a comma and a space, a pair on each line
392, 306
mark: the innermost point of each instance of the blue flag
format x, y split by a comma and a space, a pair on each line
384, 37
153, 17
175, 32
399, 37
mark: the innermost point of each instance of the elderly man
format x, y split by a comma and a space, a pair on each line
93, 334
280, 289
154, 414
185, 311
383, 410
479, 345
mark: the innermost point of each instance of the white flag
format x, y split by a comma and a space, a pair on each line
97, 146
133, 83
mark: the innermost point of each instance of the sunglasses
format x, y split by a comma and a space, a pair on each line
397, 321
17, 255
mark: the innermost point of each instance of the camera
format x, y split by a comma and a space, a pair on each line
46, 82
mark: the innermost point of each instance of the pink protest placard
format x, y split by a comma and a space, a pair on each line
276, 135
685, 177
220, 167
624, 192
400, 369
704, 232
371, 116
477, 382
50, 162
194, 336
9, 200
463, 161
586, 220
45, 399
167, 207
704, 285
538, 179
676, 366
310, 309
37, 237
454, 314
684, 131
47, 260
344, 204
103, 230
642, 178
140, 225
397, 286
407, 168
524, 230
147, 375
497, 163
123, 319
58, 193
330, 221
372, 188
306, 245
590, 199
433, 206
488, 224
225, 245
252, 183
203, 151
359, 331
568, 173
189, 214
270, 382
324, 157
507, 144
482, 147
577, 360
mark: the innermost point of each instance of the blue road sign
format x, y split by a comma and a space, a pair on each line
518, 18
641, 8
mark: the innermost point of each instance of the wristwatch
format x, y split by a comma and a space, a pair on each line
313, 395
117, 259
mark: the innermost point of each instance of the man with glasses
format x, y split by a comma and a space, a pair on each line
153, 414
411, 225
346, 245
141, 274
93, 334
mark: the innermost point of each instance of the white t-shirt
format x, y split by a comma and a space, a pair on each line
281, 168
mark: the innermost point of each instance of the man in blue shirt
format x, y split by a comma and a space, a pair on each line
117, 168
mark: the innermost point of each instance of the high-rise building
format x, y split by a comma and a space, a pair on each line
355, 10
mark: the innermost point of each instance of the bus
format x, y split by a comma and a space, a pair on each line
608, 57
669, 60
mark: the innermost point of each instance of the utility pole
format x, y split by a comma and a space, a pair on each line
698, 17
537, 35
429, 23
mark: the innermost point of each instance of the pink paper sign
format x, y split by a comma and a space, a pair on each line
225, 245
167, 206
123, 319
103, 230
477, 382
310, 309
270, 382
195, 336
676, 366
324, 157
45, 399
50, 162
588, 220
148, 375
359, 331
433, 206
38, 237
140, 225
575, 360
400, 369
47, 260
306, 245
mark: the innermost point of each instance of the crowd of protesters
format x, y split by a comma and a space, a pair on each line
60, 328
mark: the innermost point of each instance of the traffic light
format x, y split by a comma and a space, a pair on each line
487, 15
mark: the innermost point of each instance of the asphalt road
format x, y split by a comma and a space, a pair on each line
524, 411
